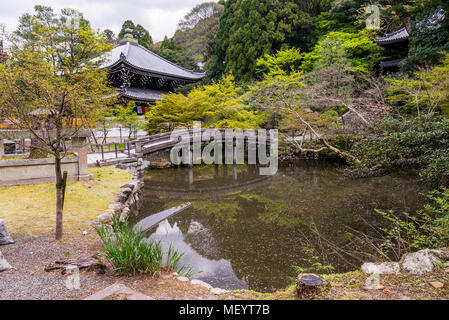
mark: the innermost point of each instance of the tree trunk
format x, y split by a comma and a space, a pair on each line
59, 190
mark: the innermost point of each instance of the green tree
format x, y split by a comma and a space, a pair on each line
218, 104
52, 85
423, 92
138, 32
172, 52
196, 31
128, 118
249, 29
430, 37
358, 48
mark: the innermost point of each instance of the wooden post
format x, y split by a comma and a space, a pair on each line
116, 152
64, 184
102, 152
2, 148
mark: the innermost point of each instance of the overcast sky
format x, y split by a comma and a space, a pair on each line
159, 17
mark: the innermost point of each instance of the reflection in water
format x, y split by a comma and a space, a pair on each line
209, 267
246, 231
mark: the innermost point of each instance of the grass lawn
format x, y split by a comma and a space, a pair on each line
31, 209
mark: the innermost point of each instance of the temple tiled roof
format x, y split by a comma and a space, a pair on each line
391, 63
145, 60
394, 37
141, 94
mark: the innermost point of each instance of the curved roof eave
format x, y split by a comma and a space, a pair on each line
137, 56
124, 61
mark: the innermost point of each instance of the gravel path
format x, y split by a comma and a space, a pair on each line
28, 280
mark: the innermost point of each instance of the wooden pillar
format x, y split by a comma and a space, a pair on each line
234, 172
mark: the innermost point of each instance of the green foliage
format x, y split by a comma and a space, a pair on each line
218, 104
128, 118
172, 52
425, 91
250, 29
130, 254
358, 48
394, 143
138, 32
427, 228
196, 31
341, 16
314, 263
285, 60
430, 37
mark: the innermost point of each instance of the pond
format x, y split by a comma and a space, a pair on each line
246, 231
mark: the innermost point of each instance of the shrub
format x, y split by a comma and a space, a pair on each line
428, 228
126, 249
420, 143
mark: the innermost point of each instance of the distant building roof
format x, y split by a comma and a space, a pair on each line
394, 37
145, 60
142, 94
391, 63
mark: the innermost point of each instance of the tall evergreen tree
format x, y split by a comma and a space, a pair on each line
251, 28
139, 33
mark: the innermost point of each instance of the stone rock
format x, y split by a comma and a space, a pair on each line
440, 254
218, 291
201, 283
4, 265
115, 207
437, 284
105, 217
381, 268
420, 262
183, 279
127, 191
5, 238
129, 185
125, 213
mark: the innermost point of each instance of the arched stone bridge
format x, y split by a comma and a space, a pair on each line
163, 142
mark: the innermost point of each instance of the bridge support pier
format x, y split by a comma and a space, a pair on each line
190, 177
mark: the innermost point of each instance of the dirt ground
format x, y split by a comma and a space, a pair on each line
28, 280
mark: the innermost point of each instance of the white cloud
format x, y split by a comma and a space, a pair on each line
160, 17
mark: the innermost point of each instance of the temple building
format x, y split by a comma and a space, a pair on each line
397, 45
142, 75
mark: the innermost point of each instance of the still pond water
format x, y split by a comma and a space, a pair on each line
246, 231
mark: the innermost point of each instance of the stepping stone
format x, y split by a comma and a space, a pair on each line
201, 283
5, 238
4, 265
218, 291
183, 279
118, 291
